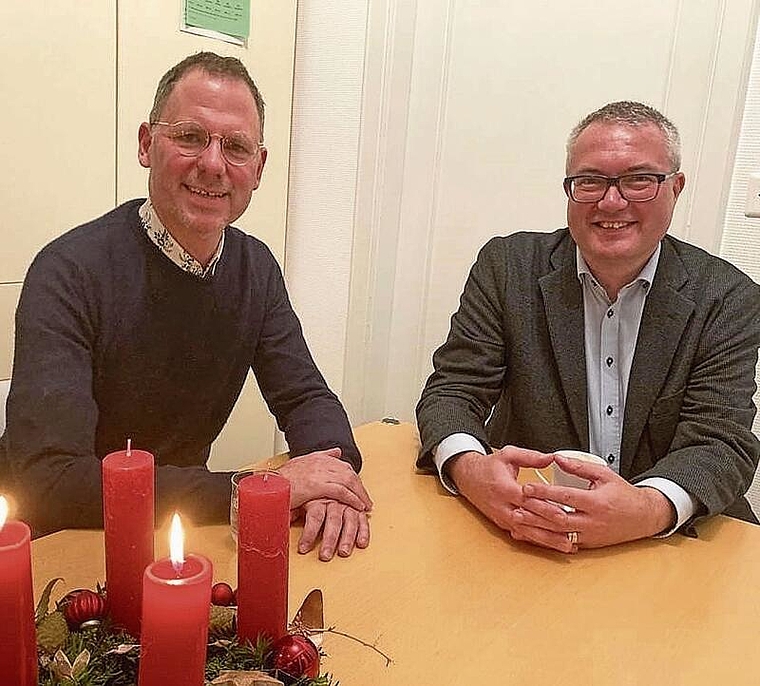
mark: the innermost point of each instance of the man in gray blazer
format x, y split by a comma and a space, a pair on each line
610, 337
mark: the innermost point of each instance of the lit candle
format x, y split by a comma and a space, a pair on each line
176, 602
263, 537
128, 521
18, 641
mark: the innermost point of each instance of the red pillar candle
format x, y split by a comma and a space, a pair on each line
176, 603
128, 518
18, 641
263, 538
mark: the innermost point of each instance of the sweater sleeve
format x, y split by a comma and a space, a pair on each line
306, 410
52, 414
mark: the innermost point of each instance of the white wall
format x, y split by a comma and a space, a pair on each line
59, 98
465, 106
327, 92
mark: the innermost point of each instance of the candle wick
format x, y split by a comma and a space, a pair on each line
178, 565
129, 447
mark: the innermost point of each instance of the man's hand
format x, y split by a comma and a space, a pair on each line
489, 482
611, 511
342, 528
324, 475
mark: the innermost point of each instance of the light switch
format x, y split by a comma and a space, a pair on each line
752, 207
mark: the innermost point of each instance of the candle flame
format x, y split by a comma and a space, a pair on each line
3, 511
129, 447
177, 543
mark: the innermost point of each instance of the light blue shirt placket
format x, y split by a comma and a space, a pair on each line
611, 331
602, 371
612, 396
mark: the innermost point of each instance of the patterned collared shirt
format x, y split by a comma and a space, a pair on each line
167, 244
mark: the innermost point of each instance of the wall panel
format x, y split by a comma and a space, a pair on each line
58, 116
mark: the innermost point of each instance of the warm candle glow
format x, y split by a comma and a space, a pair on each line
176, 543
3, 511
129, 447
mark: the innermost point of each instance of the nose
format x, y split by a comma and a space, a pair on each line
211, 159
612, 199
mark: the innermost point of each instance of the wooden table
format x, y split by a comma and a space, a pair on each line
454, 601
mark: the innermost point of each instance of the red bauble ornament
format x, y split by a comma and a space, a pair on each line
222, 594
82, 608
296, 656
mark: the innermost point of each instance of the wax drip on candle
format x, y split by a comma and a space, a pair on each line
176, 544
129, 447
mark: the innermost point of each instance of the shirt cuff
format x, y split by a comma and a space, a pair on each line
450, 447
685, 504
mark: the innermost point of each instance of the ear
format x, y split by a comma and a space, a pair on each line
144, 141
260, 162
679, 181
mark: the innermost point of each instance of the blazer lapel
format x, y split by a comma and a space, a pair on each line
563, 304
666, 313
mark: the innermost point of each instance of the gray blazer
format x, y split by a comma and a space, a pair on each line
512, 370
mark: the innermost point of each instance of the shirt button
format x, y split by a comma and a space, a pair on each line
610, 458
610, 313
609, 410
609, 361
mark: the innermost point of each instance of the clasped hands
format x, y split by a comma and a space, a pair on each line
611, 511
331, 498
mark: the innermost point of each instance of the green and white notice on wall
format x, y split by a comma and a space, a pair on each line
227, 20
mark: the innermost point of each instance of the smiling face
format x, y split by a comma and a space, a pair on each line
617, 237
196, 197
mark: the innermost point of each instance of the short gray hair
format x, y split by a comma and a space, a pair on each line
632, 113
210, 63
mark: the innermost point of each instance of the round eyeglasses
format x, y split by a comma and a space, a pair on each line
191, 139
632, 187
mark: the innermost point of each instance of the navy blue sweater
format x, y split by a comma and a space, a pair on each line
113, 340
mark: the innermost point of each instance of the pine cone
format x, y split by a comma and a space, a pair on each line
221, 622
52, 632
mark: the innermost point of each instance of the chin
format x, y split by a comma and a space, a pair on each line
205, 222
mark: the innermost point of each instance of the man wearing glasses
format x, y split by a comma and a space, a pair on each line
609, 337
143, 324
